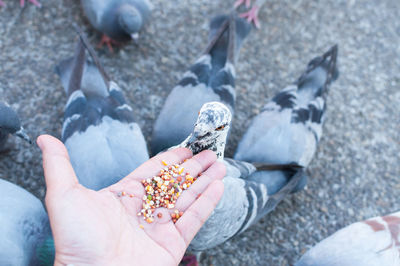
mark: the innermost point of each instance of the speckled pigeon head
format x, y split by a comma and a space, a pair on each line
9, 122
211, 129
130, 20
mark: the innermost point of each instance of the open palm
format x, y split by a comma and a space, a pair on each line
103, 228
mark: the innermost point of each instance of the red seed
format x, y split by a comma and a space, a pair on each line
180, 213
173, 216
179, 179
159, 215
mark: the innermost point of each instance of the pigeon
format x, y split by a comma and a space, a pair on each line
210, 78
252, 14
103, 141
374, 242
289, 127
118, 20
25, 230
270, 163
244, 200
10, 124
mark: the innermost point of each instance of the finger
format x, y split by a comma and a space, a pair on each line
58, 171
199, 163
215, 172
196, 215
154, 165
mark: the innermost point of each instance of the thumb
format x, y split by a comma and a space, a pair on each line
58, 171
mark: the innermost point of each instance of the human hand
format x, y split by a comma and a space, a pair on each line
100, 228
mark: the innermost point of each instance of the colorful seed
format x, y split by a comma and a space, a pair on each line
163, 190
164, 163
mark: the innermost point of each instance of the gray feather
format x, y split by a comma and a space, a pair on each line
289, 127
373, 242
24, 225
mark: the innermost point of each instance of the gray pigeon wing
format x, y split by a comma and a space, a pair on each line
234, 213
373, 242
289, 127
275, 137
113, 148
24, 224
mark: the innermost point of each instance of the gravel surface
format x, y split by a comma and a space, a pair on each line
355, 173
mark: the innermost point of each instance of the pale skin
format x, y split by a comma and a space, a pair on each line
101, 228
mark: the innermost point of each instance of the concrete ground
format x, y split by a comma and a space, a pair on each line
355, 172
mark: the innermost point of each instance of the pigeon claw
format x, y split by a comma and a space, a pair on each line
109, 42
240, 2
35, 2
252, 16
190, 260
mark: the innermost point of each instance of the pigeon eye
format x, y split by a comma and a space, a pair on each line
220, 128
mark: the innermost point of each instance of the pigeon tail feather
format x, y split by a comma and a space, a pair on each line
321, 71
226, 36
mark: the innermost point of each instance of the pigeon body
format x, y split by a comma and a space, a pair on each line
210, 78
121, 20
103, 141
289, 127
10, 124
245, 201
25, 229
374, 242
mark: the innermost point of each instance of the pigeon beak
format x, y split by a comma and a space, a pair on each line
135, 36
191, 140
22, 134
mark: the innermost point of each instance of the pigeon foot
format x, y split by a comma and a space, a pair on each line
108, 42
190, 260
252, 16
35, 2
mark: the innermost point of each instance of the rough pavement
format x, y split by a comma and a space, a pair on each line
355, 173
